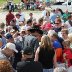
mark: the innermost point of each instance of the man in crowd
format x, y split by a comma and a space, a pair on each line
8, 51
28, 65
9, 17
34, 38
17, 56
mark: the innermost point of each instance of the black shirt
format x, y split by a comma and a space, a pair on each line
46, 58
29, 66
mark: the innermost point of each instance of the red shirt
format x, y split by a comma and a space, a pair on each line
9, 17
69, 57
66, 50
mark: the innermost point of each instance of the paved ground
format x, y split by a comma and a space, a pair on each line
37, 15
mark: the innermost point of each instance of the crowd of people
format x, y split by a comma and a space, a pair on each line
28, 5
36, 45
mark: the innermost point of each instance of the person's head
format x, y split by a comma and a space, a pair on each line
27, 30
9, 38
8, 28
19, 10
70, 17
70, 37
2, 25
18, 16
12, 31
40, 21
37, 33
60, 69
10, 49
27, 53
45, 42
10, 11
54, 36
66, 11
1, 43
31, 14
29, 22
3, 33
15, 28
53, 11
64, 33
58, 22
63, 26
60, 10
57, 10
47, 13
22, 32
66, 44
5, 66
50, 33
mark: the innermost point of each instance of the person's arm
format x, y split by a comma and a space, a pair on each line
6, 20
65, 60
64, 57
55, 60
36, 54
35, 44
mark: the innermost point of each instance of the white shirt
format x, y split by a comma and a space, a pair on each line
17, 21
46, 18
67, 24
2, 56
21, 17
70, 30
44, 13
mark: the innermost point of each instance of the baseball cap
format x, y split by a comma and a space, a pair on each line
8, 36
51, 32
11, 46
28, 51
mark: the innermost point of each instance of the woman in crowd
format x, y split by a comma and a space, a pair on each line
45, 54
47, 18
5, 66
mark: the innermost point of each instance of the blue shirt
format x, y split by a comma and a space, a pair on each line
56, 44
4, 42
53, 17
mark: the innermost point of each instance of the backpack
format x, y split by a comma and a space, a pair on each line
30, 41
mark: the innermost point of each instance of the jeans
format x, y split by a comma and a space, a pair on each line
47, 70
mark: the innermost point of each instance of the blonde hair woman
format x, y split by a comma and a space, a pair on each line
45, 54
